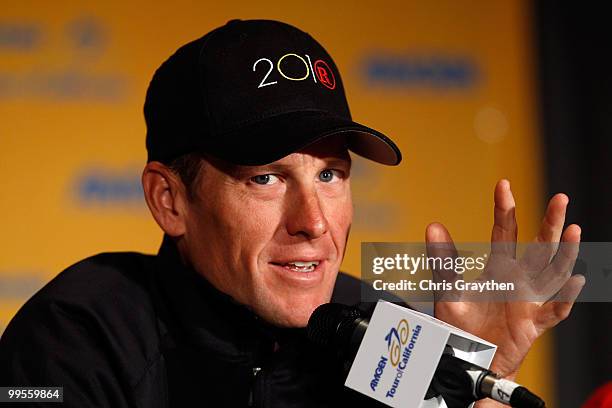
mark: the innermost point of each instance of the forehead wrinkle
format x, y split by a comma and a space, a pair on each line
329, 154
299, 159
302, 159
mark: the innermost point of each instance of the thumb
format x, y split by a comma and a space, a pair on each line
439, 244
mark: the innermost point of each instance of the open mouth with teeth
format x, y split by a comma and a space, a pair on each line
299, 266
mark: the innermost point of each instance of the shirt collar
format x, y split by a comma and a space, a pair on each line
202, 316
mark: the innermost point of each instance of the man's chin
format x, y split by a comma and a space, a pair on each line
294, 317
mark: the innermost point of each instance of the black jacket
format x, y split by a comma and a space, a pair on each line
132, 330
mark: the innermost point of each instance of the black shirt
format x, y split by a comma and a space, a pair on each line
134, 330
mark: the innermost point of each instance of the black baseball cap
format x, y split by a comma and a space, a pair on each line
251, 92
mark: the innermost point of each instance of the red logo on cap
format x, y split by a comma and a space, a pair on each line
324, 74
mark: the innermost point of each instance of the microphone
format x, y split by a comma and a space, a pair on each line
459, 382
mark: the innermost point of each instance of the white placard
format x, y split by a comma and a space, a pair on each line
400, 352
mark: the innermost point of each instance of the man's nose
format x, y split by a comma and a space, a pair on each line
306, 216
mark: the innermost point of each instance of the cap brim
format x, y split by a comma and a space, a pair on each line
275, 137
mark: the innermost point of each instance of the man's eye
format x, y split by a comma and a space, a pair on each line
328, 175
264, 179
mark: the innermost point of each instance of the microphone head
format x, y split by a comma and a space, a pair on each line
332, 324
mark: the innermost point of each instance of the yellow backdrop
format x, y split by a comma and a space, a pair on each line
451, 81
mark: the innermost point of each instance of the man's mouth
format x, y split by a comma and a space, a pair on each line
300, 266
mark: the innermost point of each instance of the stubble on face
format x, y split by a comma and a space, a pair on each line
273, 237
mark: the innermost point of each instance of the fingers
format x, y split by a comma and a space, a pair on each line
554, 218
557, 309
505, 230
553, 277
538, 255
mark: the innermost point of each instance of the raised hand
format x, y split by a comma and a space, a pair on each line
545, 289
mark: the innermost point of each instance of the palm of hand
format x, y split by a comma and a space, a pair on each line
545, 289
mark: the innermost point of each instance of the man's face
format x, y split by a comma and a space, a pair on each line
273, 236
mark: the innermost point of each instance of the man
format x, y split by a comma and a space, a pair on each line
248, 175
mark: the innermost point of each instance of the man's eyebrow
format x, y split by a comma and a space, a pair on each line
327, 162
241, 171
336, 162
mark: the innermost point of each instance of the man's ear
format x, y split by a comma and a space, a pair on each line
166, 197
